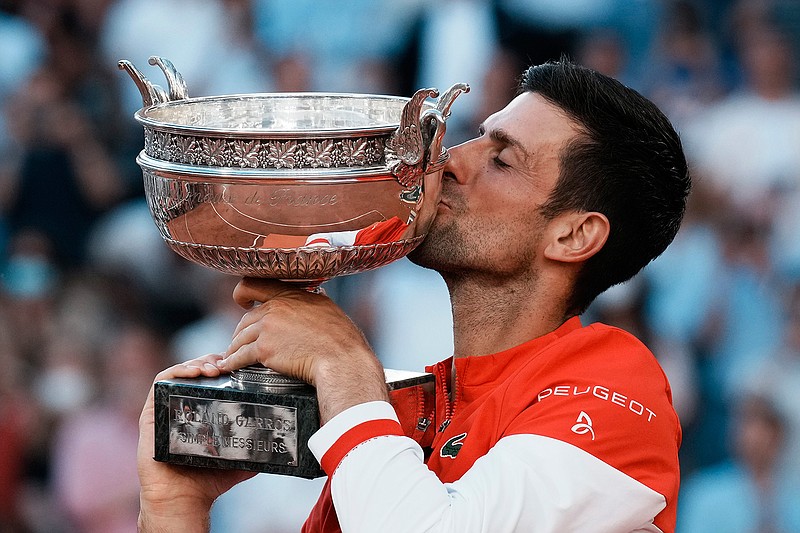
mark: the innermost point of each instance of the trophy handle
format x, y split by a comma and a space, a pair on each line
433, 130
175, 82
405, 149
445, 102
415, 148
153, 94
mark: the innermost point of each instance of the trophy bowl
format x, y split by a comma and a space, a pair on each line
300, 187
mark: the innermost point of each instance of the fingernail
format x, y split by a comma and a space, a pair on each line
209, 366
221, 363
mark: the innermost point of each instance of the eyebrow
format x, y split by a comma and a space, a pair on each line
501, 136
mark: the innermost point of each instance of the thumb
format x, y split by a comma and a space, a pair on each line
251, 291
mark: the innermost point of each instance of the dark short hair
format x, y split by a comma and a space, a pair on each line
628, 163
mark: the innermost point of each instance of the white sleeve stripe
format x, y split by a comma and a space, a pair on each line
326, 436
525, 483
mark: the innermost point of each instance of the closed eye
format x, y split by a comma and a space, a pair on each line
499, 162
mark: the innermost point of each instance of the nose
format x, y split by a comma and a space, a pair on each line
457, 166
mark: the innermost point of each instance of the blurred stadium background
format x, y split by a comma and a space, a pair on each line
92, 304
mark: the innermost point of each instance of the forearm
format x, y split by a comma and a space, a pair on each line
341, 385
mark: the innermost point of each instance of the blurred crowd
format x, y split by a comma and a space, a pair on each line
92, 304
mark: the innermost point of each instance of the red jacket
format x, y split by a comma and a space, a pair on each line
578, 424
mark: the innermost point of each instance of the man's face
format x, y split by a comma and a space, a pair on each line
488, 219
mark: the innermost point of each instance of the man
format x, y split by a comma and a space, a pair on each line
539, 423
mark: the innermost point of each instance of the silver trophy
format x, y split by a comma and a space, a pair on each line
300, 187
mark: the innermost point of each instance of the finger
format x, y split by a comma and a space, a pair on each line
246, 335
201, 366
207, 364
146, 416
251, 290
182, 370
255, 314
245, 355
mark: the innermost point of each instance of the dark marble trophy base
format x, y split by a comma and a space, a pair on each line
209, 422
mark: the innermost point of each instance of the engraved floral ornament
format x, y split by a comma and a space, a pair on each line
253, 153
246, 153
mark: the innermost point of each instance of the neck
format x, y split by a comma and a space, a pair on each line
491, 316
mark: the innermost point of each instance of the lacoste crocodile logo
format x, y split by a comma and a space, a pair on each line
452, 446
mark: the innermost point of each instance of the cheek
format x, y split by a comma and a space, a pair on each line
500, 242
517, 230
507, 210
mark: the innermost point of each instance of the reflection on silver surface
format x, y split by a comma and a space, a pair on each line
279, 114
236, 431
259, 378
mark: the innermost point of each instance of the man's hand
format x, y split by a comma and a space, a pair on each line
305, 335
178, 498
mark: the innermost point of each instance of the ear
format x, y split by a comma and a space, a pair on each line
575, 237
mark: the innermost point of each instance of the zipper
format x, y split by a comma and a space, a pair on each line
450, 407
